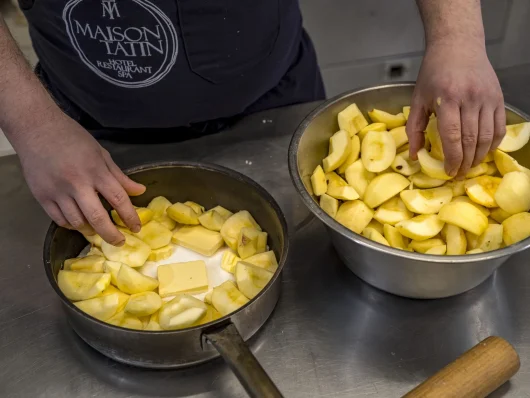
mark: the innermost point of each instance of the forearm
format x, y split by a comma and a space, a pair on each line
24, 102
452, 20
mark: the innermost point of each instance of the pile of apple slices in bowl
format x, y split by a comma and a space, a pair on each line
112, 284
369, 184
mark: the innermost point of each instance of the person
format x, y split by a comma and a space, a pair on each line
182, 68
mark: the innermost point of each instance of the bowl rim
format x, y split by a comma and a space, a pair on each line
357, 238
224, 320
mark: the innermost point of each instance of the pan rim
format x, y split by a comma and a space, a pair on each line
210, 325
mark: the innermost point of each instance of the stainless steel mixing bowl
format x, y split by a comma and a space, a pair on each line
403, 273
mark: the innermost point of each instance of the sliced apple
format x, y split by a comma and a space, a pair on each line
403, 148
472, 240
391, 121
329, 204
154, 323
353, 156
371, 127
465, 199
181, 312
402, 164
159, 206
85, 264
339, 189
101, 308
517, 136
458, 187
197, 208
378, 151
131, 281
393, 211
400, 136
506, 164
124, 320
421, 227
482, 190
455, 240
144, 214
375, 225
422, 180
183, 214
95, 251
393, 237
229, 261
432, 167
426, 201
143, 304
134, 252
384, 187
354, 215
339, 150
214, 219
406, 112
95, 239
154, 234
226, 298
251, 242
265, 260
318, 181
475, 251
516, 228
437, 250
491, 238
422, 246
465, 216
434, 138
358, 177
478, 170
112, 267
372, 234
499, 215
513, 192
352, 120
492, 169
82, 285
234, 224
251, 279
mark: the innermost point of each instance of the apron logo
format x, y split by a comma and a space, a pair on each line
132, 46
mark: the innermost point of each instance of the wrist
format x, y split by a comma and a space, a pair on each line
456, 40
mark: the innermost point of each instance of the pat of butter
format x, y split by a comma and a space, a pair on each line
198, 239
190, 277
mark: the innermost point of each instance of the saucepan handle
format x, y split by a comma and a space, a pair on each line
243, 363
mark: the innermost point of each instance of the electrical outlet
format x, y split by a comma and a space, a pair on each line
398, 70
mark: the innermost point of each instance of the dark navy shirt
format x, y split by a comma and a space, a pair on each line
163, 63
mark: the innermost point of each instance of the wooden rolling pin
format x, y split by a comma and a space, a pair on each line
476, 374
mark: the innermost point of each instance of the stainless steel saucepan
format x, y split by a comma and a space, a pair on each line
209, 185
396, 271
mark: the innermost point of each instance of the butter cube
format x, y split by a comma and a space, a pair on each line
189, 277
198, 239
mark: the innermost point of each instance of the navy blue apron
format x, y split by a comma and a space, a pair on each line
124, 67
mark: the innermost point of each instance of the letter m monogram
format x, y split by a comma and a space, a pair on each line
110, 8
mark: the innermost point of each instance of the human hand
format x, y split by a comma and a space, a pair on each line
66, 168
458, 83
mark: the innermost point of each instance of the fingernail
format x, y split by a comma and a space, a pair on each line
120, 243
136, 228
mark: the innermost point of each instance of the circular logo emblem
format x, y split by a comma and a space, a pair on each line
129, 43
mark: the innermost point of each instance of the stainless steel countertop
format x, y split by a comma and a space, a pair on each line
331, 335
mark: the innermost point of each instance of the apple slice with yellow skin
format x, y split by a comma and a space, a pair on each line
465, 216
458, 187
506, 164
384, 187
434, 138
465, 199
372, 234
329, 204
134, 252
422, 180
354, 215
475, 251
339, 150
432, 167
394, 238
371, 127
233, 225
513, 192
339, 189
358, 177
406, 112
393, 211
144, 214
499, 215
455, 238
491, 239
517, 136
403, 165
78, 286
378, 151
391, 121
422, 246
352, 120
319, 182
400, 136
426, 201
353, 156
492, 169
421, 227
376, 225
478, 170
183, 214
437, 250
482, 190
516, 228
